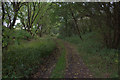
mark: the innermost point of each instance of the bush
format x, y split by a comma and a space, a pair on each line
14, 36
22, 34
6, 36
97, 57
21, 60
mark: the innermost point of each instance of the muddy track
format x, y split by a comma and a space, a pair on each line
48, 66
75, 67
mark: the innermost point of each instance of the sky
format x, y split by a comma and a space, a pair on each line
17, 21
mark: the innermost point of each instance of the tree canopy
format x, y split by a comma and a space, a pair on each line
63, 19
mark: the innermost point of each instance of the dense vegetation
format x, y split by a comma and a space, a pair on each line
101, 61
21, 60
29, 28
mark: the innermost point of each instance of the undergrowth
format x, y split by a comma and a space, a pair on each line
102, 62
21, 60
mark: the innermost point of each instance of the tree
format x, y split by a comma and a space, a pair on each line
11, 9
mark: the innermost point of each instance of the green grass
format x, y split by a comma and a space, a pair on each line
59, 70
21, 60
101, 61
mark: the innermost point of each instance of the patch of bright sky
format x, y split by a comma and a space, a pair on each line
5, 24
17, 21
111, 2
33, 26
23, 27
88, 0
49, 0
83, 4
59, 5
102, 5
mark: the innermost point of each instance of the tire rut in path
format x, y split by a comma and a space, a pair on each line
47, 67
75, 68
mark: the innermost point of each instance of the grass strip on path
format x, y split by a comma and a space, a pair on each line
59, 70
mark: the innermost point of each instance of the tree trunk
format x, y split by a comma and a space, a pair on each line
14, 20
76, 25
116, 40
16, 7
3, 13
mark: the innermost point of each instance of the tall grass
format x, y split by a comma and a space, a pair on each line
102, 62
21, 60
59, 70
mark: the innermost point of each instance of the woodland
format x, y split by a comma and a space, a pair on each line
60, 39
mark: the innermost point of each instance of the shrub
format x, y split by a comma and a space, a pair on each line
21, 60
97, 57
14, 36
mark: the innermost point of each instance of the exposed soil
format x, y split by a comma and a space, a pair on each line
47, 67
75, 67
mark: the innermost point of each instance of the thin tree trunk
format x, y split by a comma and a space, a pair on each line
16, 7
14, 20
76, 25
3, 12
116, 40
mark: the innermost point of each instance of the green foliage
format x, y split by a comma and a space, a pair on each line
74, 39
67, 21
21, 34
14, 36
21, 60
6, 36
59, 70
102, 61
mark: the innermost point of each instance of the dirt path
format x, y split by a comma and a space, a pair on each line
48, 66
75, 67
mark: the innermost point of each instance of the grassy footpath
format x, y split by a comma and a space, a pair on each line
59, 70
22, 60
101, 61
